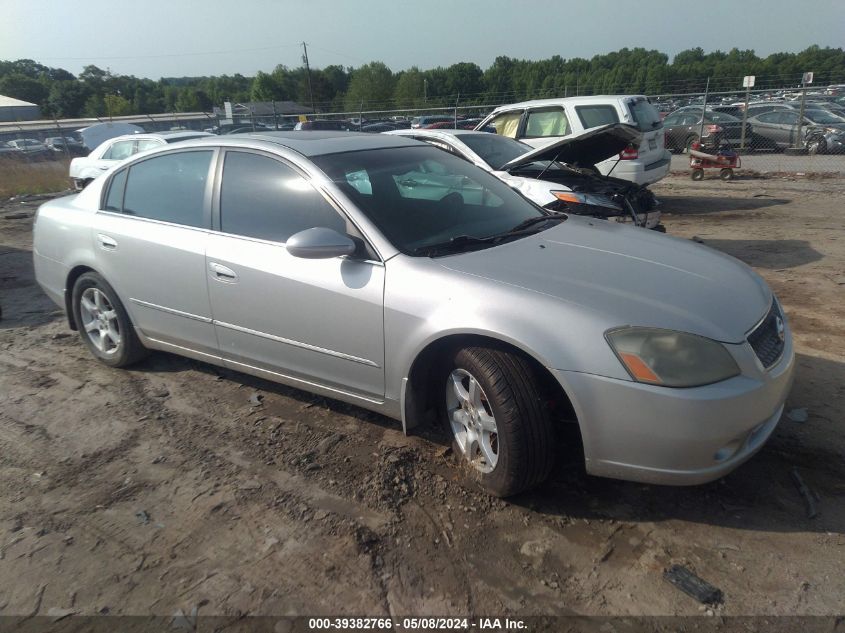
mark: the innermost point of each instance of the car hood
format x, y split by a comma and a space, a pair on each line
629, 276
585, 149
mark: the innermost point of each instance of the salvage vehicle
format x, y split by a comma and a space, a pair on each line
543, 121
86, 168
561, 176
303, 259
822, 131
718, 129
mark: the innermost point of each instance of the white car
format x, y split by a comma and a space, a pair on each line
569, 183
544, 121
86, 168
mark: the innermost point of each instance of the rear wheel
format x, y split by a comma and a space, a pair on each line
688, 143
103, 324
726, 174
498, 419
697, 174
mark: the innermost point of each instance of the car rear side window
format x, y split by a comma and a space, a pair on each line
170, 188
263, 198
596, 115
114, 201
119, 151
542, 123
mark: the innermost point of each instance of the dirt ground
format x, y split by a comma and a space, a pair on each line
167, 487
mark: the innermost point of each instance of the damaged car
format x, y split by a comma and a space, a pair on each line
313, 260
561, 176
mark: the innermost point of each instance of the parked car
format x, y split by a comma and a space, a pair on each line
542, 122
821, 131
309, 259
26, 149
559, 177
322, 124
684, 125
65, 145
85, 169
428, 119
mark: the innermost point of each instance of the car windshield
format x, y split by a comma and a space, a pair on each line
422, 196
822, 117
493, 149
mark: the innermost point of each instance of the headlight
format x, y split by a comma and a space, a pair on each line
596, 200
671, 359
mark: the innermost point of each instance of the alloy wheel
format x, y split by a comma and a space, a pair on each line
99, 321
471, 418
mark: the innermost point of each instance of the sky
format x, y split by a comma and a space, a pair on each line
172, 38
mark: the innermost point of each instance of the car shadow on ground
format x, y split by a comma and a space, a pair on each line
22, 302
700, 205
772, 254
760, 495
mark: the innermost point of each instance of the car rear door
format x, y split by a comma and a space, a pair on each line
315, 321
150, 238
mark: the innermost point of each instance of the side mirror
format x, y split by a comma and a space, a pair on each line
319, 243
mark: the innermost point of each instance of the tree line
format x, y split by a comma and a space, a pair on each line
97, 93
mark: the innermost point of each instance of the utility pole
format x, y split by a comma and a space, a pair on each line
308, 72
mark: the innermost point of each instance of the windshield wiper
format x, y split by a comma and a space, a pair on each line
454, 243
470, 240
526, 224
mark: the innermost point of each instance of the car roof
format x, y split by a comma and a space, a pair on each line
560, 100
315, 143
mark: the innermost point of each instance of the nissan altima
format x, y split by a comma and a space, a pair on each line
388, 273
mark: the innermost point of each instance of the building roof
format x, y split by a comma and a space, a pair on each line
11, 102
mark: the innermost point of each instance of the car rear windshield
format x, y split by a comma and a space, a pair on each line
420, 196
645, 114
493, 149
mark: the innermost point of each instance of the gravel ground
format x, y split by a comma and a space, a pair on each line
171, 487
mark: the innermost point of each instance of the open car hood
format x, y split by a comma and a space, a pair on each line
98, 133
583, 150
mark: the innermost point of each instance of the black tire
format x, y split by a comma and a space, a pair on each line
525, 444
817, 145
726, 174
697, 174
129, 350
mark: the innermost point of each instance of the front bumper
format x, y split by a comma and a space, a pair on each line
691, 436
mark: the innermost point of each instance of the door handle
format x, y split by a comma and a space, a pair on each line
223, 273
106, 242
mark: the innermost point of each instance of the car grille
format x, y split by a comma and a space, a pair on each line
765, 339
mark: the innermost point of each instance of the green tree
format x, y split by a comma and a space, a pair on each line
67, 99
25, 88
371, 84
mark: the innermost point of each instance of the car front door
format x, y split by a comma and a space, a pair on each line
150, 238
316, 321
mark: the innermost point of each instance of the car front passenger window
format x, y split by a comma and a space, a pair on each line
263, 198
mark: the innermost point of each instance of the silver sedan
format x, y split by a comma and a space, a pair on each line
390, 274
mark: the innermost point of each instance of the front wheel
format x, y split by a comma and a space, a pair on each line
498, 419
817, 145
103, 324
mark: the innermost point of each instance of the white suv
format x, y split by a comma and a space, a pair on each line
544, 121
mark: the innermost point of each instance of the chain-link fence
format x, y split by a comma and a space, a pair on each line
771, 130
